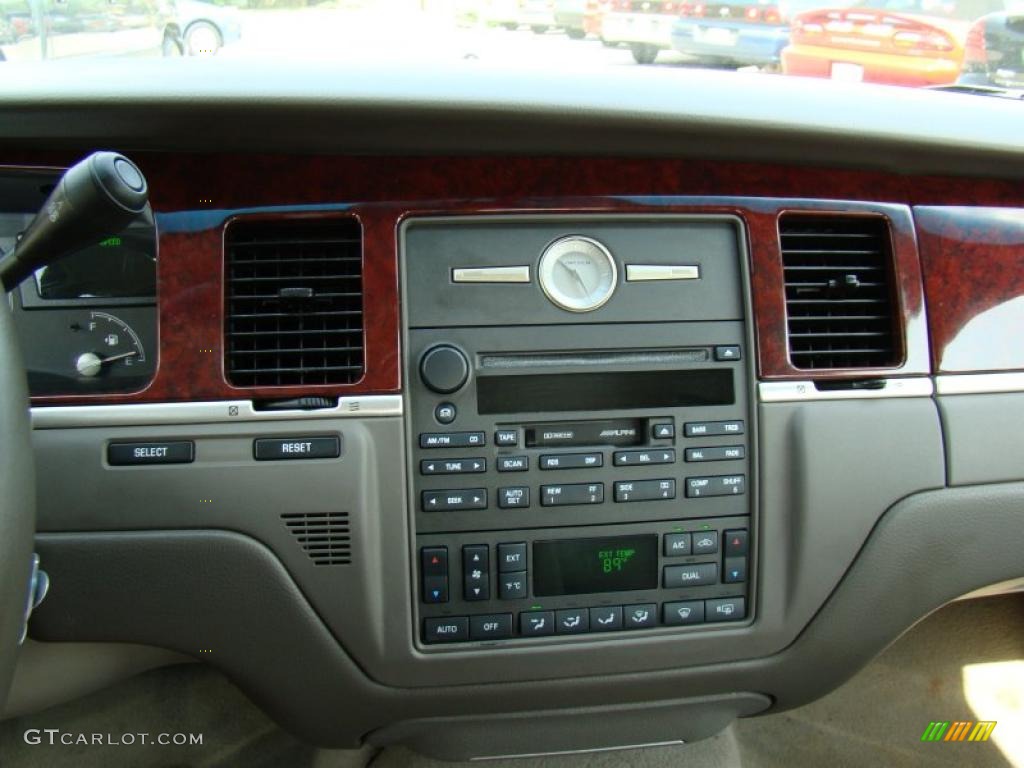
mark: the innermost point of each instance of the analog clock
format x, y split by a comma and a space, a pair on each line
577, 273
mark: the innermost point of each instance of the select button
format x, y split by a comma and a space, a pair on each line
281, 448
178, 452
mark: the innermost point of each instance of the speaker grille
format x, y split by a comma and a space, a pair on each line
325, 536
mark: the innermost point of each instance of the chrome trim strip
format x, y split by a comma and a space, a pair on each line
592, 750
979, 383
145, 414
491, 274
796, 391
644, 272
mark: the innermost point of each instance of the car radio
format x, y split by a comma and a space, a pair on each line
569, 476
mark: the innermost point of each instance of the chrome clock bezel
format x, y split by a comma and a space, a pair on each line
549, 260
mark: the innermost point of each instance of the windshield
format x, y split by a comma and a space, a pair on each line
912, 43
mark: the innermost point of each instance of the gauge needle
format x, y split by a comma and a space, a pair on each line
89, 363
122, 356
576, 274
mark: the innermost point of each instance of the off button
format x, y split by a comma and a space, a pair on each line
284, 448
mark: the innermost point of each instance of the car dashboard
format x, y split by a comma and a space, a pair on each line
473, 450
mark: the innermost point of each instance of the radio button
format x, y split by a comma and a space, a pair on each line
572, 493
447, 501
645, 490
571, 461
506, 437
493, 627
452, 439
450, 629
515, 497
725, 609
716, 453
663, 431
697, 575
512, 586
724, 353
452, 466
513, 463
682, 613
678, 545
724, 485
705, 542
640, 616
572, 622
606, 619
640, 458
511, 557
713, 428
537, 623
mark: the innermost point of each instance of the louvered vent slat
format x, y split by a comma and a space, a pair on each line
294, 299
325, 536
839, 292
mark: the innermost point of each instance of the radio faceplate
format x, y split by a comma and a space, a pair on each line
562, 474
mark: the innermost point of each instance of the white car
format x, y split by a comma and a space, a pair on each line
644, 25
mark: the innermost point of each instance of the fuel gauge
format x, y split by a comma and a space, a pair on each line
109, 347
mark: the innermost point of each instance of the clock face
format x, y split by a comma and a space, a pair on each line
578, 274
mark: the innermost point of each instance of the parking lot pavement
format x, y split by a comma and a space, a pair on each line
364, 36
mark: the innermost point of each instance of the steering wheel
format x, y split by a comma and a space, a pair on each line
17, 497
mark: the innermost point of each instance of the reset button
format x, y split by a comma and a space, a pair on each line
279, 448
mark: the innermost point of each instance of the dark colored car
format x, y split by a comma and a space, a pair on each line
994, 53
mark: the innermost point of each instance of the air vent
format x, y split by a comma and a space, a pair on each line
294, 303
324, 536
839, 292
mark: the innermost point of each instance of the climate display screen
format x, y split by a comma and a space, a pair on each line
606, 564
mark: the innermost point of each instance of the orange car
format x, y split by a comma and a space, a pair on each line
898, 42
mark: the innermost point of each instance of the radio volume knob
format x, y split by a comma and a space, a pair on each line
444, 369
